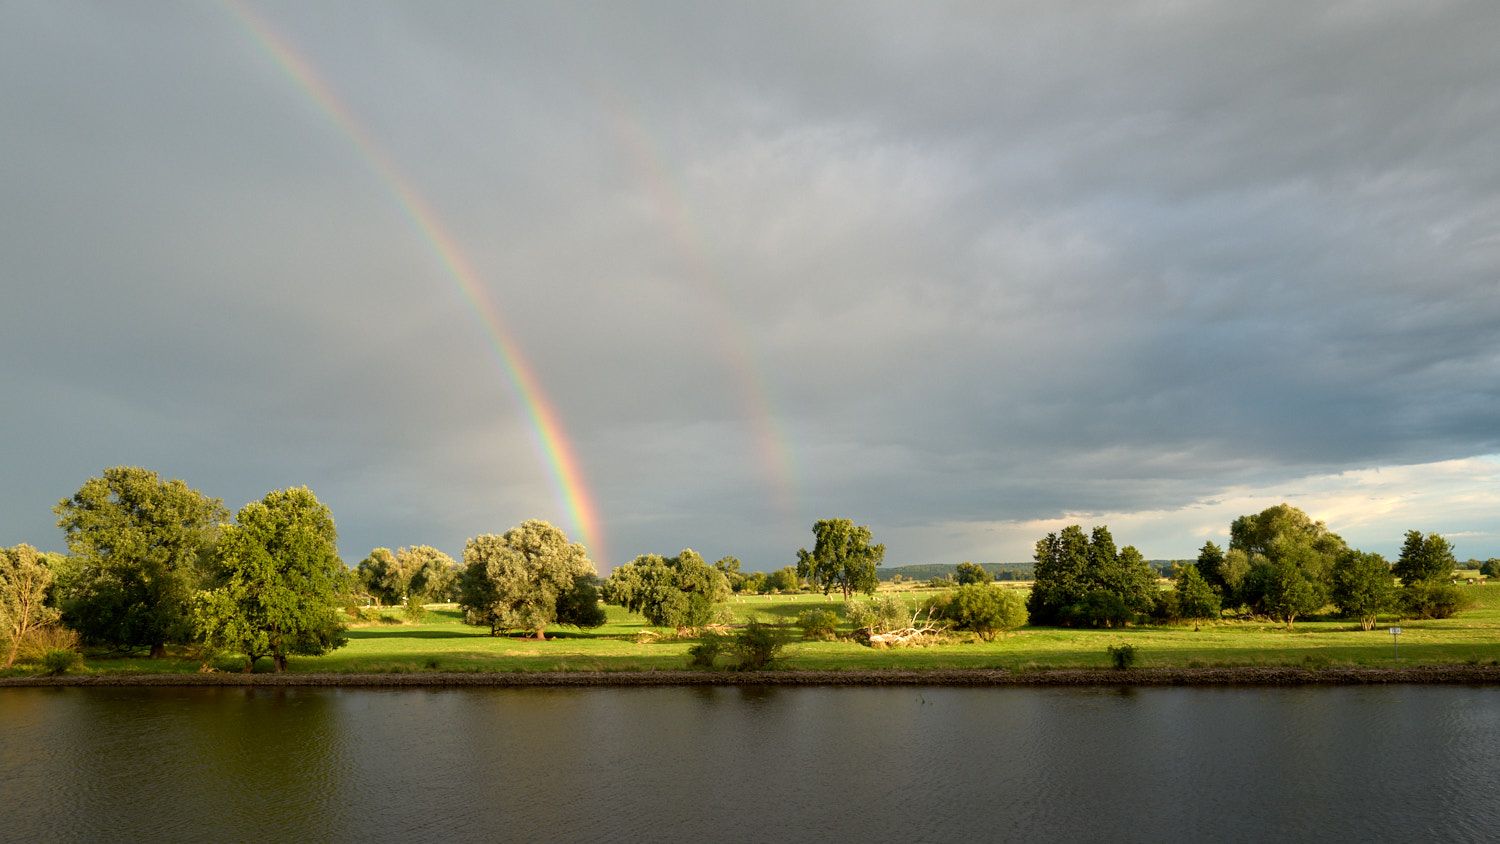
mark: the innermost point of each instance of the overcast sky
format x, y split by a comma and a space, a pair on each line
965, 273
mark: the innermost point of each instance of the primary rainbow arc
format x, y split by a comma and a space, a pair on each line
545, 425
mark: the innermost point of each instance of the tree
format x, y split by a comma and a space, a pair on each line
1061, 575
24, 582
1363, 587
279, 577
842, 558
730, 566
142, 544
1278, 536
1257, 534
755, 581
1210, 567
379, 576
681, 592
1133, 579
783, 580
1289, 593
1084, 579
581, 606
1490, 567
1195, 597
971, 573
982, 609
421, 572
1424, 558
517, 581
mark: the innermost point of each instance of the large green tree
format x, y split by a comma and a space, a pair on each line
24, 581
1265, 543
1195, 597
1061, 577
842, 558
141, 545
1289, 593
681, 592
278, 577
518, 581
1084, 578
1363, 587
421, 571
1424, 559
972, 573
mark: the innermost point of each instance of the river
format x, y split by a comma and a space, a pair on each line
749, 764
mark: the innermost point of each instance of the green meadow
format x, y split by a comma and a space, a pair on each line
443, 643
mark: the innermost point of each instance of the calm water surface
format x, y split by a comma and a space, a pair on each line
754, 764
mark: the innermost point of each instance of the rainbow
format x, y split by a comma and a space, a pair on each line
777, 459
548, 434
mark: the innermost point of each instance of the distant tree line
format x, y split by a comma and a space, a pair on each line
153, 563
1280, 564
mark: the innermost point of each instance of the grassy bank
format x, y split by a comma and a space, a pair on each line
442, 643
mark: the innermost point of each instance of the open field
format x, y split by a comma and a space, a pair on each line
444, 644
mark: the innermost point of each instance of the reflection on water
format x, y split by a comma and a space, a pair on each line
748, 764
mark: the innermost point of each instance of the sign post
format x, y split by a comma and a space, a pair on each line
1395, 631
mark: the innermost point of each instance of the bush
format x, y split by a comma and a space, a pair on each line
980, 608
58, 662
818, 624
39, 641
1425, 599
703, 654
879, 616
414, 611
1122, 656
758, 645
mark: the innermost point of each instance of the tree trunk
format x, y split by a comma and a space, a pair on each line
279, 660
159, 651
540, 635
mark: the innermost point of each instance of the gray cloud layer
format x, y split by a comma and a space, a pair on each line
979, 263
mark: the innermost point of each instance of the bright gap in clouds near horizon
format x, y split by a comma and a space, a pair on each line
963, 275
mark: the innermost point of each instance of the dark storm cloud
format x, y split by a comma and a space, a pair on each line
977, 264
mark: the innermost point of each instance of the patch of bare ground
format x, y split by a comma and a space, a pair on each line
1237, 676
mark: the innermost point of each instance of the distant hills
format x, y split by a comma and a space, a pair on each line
927, 571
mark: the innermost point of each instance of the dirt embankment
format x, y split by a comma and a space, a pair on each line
1248, 676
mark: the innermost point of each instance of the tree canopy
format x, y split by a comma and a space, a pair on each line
142, 545
1283, 561
1363, 587
1195, 597
1424, 558
842, 558
681, 592
971, 573
278, 576
1084, 579
518, 581
420, 571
